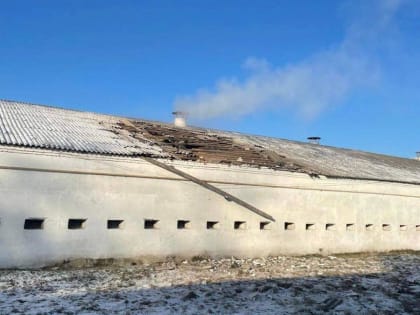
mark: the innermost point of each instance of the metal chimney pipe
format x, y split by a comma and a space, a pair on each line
314, 140
180, 119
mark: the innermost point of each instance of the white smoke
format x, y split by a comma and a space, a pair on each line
310, 86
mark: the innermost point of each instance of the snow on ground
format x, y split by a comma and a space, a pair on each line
364, 284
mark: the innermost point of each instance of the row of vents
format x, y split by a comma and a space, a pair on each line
74, 224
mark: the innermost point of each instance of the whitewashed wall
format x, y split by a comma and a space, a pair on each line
59, 186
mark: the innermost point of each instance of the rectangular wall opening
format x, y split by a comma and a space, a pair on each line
289, 226
115, 224
265, 225
350, 227
212, 225
403, 227
310, 227
76, 224
239, 225
150, 224
183, 224
34, 224
418, 227
386, 227
330, 227
369, 227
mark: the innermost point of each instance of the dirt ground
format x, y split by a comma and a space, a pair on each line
351, 284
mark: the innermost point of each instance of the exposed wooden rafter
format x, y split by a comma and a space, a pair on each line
210, 187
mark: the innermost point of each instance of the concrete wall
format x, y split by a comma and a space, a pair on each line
59, 186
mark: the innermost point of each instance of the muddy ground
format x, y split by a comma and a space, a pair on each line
355, 284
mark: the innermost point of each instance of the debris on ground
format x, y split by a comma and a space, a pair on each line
348, 284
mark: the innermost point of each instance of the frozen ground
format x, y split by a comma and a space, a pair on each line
359, 284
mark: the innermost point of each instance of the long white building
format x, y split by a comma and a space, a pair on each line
84, 185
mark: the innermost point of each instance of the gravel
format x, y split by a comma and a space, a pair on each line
348, 284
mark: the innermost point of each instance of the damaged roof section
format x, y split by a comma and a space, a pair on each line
38, 126
195, 144
213, 146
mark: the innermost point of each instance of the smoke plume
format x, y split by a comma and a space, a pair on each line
310, 86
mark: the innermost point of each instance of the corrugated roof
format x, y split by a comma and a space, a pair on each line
47, 127
29, 125
339, 162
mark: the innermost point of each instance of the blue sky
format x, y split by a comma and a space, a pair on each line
347, 71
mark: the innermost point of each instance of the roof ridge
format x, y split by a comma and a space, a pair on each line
44, 105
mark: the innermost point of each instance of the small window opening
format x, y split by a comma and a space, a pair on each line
183, 224
76, 224
310, 226
34, 224
212, 225
386, 227
289, 226
330, 227
403, 227
265, 225
350, 227
418, 227
115, 224
239, 225
369, 227
150, 224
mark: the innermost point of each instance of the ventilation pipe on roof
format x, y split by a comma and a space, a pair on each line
314, 140
180, 119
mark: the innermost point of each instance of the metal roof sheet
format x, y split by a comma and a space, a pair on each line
46, 127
